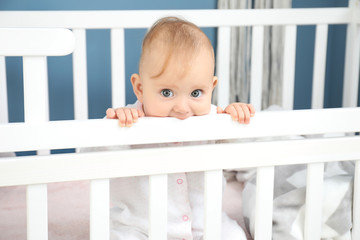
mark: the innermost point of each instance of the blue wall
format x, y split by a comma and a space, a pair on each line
60, 78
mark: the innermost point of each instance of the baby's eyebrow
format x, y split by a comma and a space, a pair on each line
202, 86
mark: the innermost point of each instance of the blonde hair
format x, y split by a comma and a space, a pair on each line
174, 35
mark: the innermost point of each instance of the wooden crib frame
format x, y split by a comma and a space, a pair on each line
157, 162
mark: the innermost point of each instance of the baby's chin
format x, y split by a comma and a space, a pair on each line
185, 116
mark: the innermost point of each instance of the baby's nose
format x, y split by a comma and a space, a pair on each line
181, 109
181, 106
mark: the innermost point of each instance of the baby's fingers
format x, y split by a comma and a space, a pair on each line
131, 116
251, 109
241, 112
245, 114
128, 116
110, 113
134, 114
120, 114
231, 109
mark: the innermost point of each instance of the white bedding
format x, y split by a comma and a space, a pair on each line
289, 201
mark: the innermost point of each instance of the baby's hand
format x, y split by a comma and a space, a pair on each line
240, 112
126, 116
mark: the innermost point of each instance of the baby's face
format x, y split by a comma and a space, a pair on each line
184, 89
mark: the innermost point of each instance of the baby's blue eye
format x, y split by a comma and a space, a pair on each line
196, 93
167, 93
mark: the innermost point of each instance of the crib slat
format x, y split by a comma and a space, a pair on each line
289, 67
158, 207
36, 211
223, 65
352, 65
264, 203
99, 209
80, 75
3, 92
118, 67
318, 88
314, 197
36, 106
356, 202
257, 66
212, 204
36, 109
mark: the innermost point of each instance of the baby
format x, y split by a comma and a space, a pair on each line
176, 79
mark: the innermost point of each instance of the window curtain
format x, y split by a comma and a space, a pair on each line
240, 58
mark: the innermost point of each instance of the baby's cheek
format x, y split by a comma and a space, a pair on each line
156, 111
203, 109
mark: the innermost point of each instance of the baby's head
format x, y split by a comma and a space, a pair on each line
176, 70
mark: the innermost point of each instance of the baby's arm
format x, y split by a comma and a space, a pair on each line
240, 112
126, 116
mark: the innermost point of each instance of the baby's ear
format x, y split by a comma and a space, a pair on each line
137, 86
215, 81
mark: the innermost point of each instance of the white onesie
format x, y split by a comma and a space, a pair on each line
130, 213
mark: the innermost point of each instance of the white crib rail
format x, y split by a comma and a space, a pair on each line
264, 124
102, 165
22, 170
204, 18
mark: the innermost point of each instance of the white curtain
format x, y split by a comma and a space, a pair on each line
240, 59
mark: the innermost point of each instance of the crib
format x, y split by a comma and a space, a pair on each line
35, 35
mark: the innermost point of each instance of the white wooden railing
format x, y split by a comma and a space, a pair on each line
160, 161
